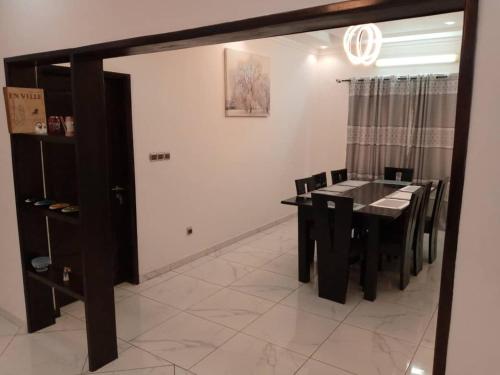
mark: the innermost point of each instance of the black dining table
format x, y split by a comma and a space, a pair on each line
373, 217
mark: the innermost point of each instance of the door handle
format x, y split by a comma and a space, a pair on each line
118, 193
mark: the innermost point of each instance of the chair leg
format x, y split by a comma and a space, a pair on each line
432, 246
310, 254
362, 272
405, 268
418, 258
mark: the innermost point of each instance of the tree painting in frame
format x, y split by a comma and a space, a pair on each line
248, 84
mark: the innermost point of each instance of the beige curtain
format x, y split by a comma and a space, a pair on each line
401, 123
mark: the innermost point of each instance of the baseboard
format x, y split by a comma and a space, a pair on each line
214, 248
12, 318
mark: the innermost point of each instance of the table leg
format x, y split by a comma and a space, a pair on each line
306, 247
372, 258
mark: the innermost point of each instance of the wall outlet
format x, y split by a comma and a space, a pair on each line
189, 231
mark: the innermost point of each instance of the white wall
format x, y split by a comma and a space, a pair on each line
475, 326
227, 175
473, 348
35, 26
177, 100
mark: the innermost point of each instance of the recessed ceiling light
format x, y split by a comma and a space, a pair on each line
417, 60
323, 47
417, 37
450, 23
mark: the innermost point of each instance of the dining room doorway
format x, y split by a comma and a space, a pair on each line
87, 67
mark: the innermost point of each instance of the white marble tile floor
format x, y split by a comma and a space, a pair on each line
242, 311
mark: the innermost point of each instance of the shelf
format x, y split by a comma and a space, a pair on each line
47, 138
71, 218
53, 278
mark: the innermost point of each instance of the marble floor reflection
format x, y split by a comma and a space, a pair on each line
242, 311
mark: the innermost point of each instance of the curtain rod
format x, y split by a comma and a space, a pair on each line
401, 78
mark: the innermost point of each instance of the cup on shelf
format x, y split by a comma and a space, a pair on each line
55, 125
69, 126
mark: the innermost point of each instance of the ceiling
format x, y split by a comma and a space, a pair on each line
324, 40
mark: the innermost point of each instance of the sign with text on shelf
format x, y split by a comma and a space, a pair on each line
25, 108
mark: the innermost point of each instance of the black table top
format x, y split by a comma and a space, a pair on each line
364, 195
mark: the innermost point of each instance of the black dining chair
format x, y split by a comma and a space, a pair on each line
304, 185
396, 238
336, 249
432, 221
418, 241
319, 180
390, 173
340, 175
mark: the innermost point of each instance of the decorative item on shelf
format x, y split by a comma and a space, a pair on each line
58, 206
41, 128
55, 125
32, 200
69, 126
70, 209
40, 264
66, 272
44, 202
25, 109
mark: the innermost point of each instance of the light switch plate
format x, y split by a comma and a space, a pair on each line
159, 156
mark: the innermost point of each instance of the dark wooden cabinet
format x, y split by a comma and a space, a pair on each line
48, 166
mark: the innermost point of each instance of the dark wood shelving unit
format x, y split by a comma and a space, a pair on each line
49, 167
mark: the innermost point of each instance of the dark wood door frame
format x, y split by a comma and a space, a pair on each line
88, 60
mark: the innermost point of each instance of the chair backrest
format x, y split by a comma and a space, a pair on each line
319, 180
338, 240
304, 185
438, 201
422, 210
333, 239
390, 173
411, 218
339, 175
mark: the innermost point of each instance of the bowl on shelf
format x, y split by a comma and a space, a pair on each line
40, 264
